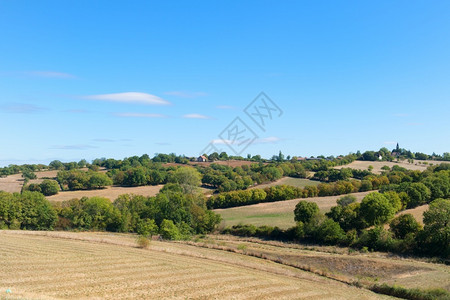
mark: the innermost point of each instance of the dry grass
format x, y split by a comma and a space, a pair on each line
416, 212
297, 182
280, 213
377, 165
366, 269
89, 265
11, 183
110, 192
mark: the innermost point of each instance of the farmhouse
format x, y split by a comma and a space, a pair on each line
202, 158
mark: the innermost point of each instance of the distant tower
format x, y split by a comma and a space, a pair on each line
397, 149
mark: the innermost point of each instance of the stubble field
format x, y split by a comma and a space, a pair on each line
55, 265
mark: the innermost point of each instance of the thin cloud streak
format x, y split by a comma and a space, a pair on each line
140, 115
102, 140
268, 140
225, 107
130, 97
184, 94
21, 108
196, 116
49, 74
73, 147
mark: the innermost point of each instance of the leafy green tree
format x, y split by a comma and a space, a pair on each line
418, 194
437, 227
188, 178
366, 185
99, 180
347, 216
346, 200
305, 210
10, 210
135, 177
376, 209
100, 214
27, 174
36, 212
49, 187
329, 232
169, 230
394, 199
403, 225
34, 187
147, 228
56, 165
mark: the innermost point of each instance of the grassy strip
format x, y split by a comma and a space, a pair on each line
396, 291
412, 294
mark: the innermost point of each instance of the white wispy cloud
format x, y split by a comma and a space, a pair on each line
21, 108
130, 97
222, 142
103, 140
268, 140
185, 94
196, 116
49, 74
390, 143
76, 111
140, 115
73, 147
225, 107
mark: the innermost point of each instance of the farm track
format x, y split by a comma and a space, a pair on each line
89, 265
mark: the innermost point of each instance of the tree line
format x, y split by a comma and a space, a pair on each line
361, 225
174, 213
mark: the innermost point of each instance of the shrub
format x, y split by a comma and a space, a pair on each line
346, 200
143, 242
413, 294
169, 230
403, 225
49, 187
329, 232
147, 228
376, 209
305, 210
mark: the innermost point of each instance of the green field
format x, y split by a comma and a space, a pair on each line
280, 213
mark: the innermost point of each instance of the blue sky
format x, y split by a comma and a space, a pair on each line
88, 79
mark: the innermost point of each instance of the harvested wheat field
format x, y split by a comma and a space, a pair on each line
377, 165
110, 192
280, 213
88, 265
11, 183
297, 182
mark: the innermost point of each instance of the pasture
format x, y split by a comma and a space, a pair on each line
280, 213
110, 192
377, 165
297, 182
11, 183
55, 265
